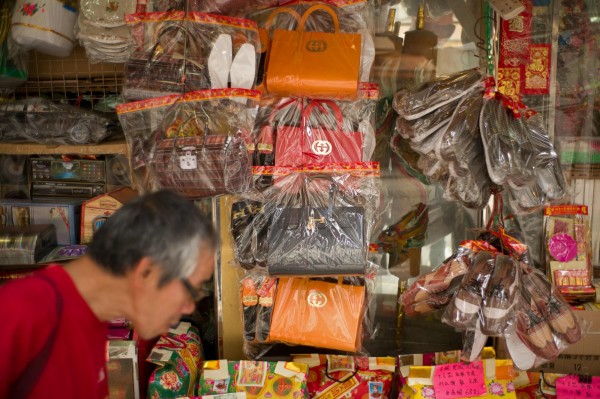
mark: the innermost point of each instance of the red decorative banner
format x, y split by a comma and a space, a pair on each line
537, 70
515, 39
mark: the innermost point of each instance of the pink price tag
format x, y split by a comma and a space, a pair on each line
571, 387
459, 380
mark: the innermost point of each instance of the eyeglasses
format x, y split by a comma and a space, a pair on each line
197, 294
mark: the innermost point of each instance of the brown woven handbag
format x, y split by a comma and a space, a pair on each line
201, 166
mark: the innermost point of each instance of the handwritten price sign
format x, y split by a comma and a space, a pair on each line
570, 387
459, 380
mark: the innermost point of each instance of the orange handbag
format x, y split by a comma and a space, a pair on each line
265, 43
317, 313
314, 64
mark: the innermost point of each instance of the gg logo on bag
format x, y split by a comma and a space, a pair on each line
316, 299
321, 147
316, 46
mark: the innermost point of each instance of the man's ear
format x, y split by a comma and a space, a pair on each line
142, 271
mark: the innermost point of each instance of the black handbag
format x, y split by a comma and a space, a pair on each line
317, 241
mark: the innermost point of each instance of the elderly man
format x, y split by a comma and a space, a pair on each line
146, 263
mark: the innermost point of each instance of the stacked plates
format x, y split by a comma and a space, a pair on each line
102, 30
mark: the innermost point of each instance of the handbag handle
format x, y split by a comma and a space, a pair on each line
319, 104
157, 46
329, 10
279, 11
331, 197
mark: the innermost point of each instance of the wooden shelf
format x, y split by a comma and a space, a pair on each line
110, 147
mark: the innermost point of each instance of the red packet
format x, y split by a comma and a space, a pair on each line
509, 82
537, 70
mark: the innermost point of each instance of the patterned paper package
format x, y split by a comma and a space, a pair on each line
178, 355
282, 380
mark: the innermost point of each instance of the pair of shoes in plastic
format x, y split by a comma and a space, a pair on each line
434, 94
434, 290
487, 295
545, 322
223, 67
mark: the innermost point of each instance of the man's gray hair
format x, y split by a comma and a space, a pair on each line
163, 226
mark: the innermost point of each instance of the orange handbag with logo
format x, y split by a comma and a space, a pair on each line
318, 313
314, 64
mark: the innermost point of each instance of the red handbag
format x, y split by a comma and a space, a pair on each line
309, 145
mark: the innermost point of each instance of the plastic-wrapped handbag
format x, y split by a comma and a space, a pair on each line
325, 238
318, 313
323, 64
155, 72
201, 165
178, 52
304, 145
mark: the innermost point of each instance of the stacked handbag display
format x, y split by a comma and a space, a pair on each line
303, 234
191, 106
472, 139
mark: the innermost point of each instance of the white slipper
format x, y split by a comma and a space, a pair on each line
520, 354
219, 62
243, 67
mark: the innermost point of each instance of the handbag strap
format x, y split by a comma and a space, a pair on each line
329, 10
279, 11
22, 387
331, 197
188, 38
297, 102
320, 105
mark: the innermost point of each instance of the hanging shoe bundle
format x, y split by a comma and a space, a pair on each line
441, 123
519, 154
488, 288
488, 140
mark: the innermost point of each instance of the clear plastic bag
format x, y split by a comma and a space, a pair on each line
436, 93
287, 129
327, 312
179, 51
353, 17
105, 43
309, 223
509, 151
226, 116
42, 121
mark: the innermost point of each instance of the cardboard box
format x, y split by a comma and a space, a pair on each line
63, 213
582, 357
95, 211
